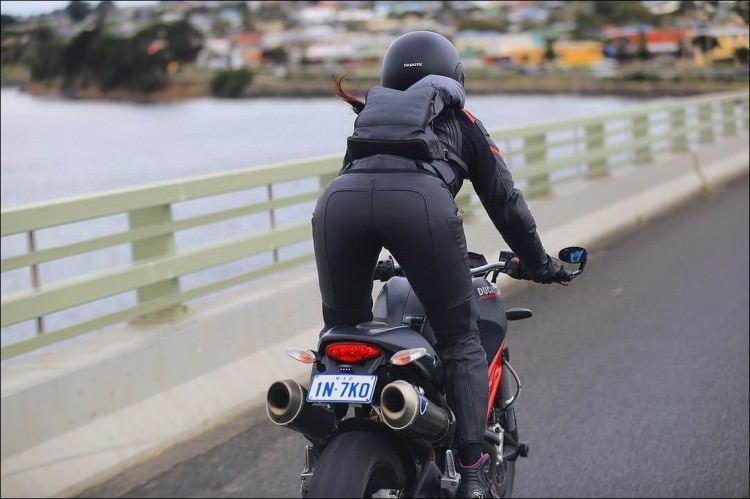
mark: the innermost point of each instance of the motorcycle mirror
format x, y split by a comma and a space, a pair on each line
574, 254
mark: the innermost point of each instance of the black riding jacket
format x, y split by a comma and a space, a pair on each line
493, 183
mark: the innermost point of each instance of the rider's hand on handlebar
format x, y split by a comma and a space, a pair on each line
516, 270
554, 272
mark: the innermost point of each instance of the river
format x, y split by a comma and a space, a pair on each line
54, 148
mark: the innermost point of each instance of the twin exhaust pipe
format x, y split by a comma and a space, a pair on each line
403, 409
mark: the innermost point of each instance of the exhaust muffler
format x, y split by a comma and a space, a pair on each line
406, 410
286, 406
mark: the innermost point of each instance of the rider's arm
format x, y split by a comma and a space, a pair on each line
504, 203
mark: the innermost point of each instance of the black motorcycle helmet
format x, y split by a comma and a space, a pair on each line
417, 54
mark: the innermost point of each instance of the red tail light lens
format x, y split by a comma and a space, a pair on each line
351, 352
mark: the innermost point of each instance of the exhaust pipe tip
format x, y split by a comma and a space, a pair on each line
284, 401
406, 410
399, 404
286, 406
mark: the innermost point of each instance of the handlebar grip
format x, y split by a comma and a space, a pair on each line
515, 269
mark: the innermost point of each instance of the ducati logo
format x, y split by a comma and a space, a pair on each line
487, 292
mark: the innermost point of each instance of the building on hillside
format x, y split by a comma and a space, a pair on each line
248, 47
243, 50
524, 49
659, 41
577, 53
473, 45
727, 39
514, 49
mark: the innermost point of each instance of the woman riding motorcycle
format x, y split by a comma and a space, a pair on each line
383, 199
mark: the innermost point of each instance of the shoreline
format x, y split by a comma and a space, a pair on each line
187, 90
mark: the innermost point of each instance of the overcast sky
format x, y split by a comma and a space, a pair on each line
29, 8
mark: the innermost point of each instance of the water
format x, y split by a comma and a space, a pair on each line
54, 149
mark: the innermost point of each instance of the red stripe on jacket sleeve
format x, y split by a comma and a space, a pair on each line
469, 115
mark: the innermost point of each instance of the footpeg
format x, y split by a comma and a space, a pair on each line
451, 479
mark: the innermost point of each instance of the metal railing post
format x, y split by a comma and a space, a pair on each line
641, 131
595, 140
31, 242
705, 122
153, 248
677, 122
729, 125
272, 215
535, 151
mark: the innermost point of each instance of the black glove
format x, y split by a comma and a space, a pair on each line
553, 272
516, 269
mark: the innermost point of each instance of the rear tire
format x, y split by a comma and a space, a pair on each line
357, 464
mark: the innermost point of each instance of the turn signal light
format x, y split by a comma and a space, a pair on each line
404, 357
351, 352
302, 354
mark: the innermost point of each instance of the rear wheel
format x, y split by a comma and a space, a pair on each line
357, 464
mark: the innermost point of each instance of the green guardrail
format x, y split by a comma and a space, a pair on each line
582, 147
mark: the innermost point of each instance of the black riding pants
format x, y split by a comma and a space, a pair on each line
413, 215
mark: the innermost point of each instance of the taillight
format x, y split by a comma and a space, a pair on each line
351, 352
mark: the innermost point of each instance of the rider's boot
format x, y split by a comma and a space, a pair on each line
475, 479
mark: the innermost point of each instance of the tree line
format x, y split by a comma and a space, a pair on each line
96, 56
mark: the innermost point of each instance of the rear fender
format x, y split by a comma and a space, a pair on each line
390, 339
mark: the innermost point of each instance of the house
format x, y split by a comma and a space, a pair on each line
243, 50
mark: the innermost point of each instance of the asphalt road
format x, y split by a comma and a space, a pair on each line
635, 379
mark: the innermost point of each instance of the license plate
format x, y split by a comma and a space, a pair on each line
351, 388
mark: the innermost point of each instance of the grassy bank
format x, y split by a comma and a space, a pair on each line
193, 83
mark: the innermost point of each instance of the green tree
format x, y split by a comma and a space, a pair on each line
743, 9
549, 49
220, 27
44, 54
76, 54
183, 40
102, 11
482, 24
741, 55
110, 62
706, 43
276, 55
230, 83
78, 10
6, 20
248, 23
643, 52
623, 12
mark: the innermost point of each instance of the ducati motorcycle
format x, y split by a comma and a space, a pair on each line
375, 412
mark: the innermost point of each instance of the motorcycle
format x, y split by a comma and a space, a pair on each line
374, 411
